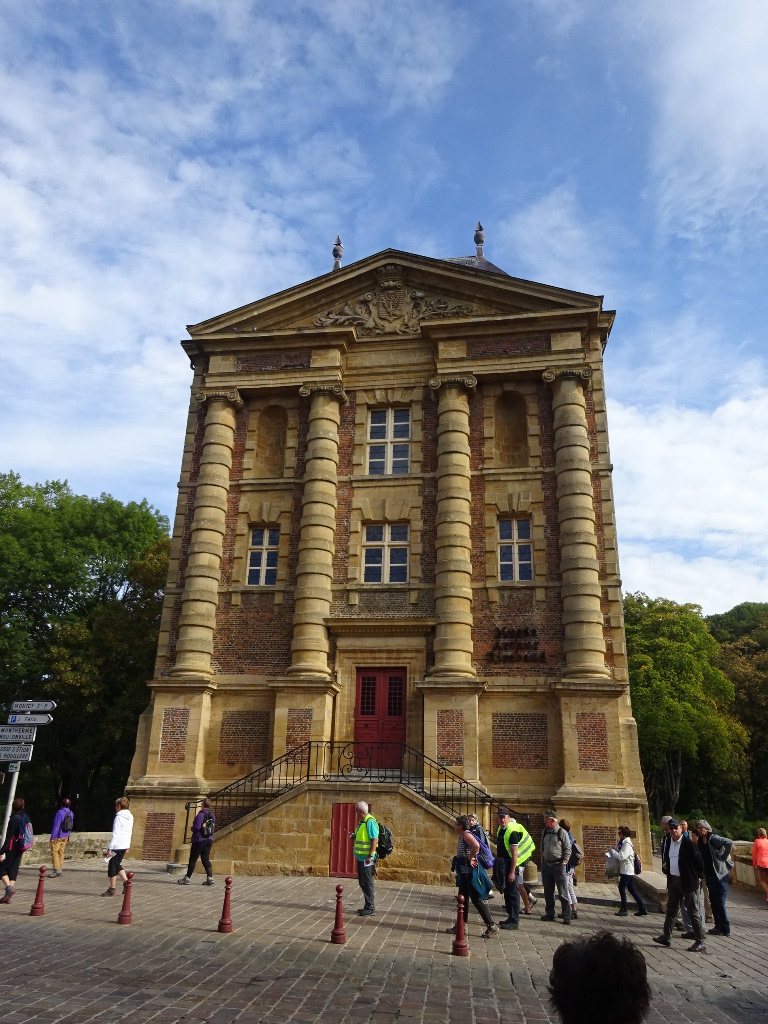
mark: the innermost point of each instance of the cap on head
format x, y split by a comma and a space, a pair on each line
673, 823
550, 814
504, 812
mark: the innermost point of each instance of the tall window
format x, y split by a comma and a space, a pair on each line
385, 553
389, 435
262, 556
515, 550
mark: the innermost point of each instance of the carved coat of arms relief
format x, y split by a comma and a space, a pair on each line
393, 307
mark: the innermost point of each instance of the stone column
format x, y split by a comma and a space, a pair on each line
453, 567
314, 572
584, 645
199, 598
452, 682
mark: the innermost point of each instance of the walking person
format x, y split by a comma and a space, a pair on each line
366, 839
18, 840
119, 844
61, 829
555, 854
573, 862
622, 855
467, 849
482, 837
715, 852
202, 841
760, 860
684, 868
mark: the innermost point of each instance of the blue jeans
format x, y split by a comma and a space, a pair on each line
365, 878
627, 882
718, 891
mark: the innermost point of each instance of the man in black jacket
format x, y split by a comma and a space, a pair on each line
684, 869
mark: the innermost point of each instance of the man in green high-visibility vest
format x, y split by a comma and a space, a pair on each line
366, 839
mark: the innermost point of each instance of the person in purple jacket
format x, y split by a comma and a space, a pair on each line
202, 841
60, 835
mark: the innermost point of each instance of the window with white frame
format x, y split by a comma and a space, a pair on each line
385, 552
515, 550
262, 556
389, 436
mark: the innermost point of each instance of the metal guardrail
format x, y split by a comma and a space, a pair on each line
364, 763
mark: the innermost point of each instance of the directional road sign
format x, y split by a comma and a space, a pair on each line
17, 733
18, 752
33, 705
30, 719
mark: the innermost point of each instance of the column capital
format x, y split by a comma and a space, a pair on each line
582, 374
231, 395
335, 389
469, 382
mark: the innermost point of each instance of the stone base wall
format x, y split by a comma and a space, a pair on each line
81, 846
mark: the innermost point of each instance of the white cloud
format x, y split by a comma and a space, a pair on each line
559, 242
691, 490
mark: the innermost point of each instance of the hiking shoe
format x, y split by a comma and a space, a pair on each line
54, 874
183, 881
689, 935
491, 930
209, 880
641, 913
546, 917
662, 940
574, 915
9, 893
718, 931
366, 912
697, 947
622, 913
108, 892
509, 925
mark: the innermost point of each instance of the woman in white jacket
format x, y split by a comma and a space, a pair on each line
623, 856
119, 843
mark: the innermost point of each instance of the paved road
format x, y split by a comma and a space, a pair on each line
76, 964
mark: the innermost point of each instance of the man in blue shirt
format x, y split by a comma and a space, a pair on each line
366, 839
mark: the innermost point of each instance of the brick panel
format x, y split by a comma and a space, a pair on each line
509, 345
592, 737
158, 836
299, 727
597, 839
450, 737
257, 363
244, 737
519, 740
173, 738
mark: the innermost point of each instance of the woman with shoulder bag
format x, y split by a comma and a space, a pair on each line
622, 855
17, 841
467, 850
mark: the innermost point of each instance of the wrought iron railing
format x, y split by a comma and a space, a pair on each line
364, 763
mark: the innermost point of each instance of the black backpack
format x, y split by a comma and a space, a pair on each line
207, 826
67, 822
385, 845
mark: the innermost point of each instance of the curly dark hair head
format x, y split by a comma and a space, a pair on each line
599, 979
463, 820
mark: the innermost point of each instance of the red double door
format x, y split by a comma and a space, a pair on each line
380, 716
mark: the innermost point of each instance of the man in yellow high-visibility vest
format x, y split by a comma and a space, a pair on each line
366, 839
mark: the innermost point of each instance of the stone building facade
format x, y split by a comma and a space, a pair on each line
395, 526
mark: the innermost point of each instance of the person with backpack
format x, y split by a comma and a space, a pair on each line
467, 866
63, 823
18, 840
119, 844
366, 839
573, 862
202, 840
621, 857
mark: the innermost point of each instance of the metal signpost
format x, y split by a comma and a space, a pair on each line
16, 739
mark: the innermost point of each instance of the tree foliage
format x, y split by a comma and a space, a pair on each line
80, 597
681, 700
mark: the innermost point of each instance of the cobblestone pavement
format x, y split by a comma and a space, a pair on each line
77, 964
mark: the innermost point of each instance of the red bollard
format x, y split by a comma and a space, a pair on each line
338, 935
125, 916
225, 922
460, 947
38, 907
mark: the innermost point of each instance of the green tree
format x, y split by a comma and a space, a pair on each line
680, 699
743, 656
80, 597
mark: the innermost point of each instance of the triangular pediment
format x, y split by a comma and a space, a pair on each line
398, 293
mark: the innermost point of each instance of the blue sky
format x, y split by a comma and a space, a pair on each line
163, 162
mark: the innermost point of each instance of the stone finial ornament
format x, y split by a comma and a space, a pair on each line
338, 252
479, 239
